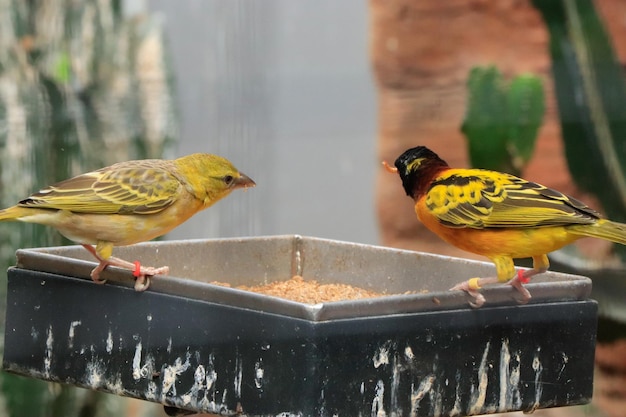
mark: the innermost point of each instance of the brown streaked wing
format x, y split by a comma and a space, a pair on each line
119, 189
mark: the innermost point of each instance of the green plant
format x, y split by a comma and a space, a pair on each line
502, 119
591, 97
77, 92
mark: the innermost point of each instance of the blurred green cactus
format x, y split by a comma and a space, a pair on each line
502, 119
591, 97
81, 86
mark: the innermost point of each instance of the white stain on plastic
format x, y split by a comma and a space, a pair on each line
115, 385
378, 409
510, 368
199, 376
137, 362
505, 360
479, 392
514, 382
510, 396
395, 384
109, 342
408, 353
72, 333
94, 374
191, 396
456, 408
425, 387
170, 374
259, 373
145, 369
151, 392
381, 357
538, 368
47, 356
211, 374
563, 365
208, 402
238, 376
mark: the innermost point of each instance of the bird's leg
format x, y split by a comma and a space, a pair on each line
505, 268
141, 273
540, 265
471, 287
95, 273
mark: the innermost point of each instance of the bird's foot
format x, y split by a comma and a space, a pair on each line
472, 287
518, 281
102, 264
144, 273
141, 273
95, 273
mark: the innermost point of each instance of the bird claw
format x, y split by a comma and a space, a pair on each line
479, 299
142, 283
515, 283
95, 274
143, 280
471, 287
99, 281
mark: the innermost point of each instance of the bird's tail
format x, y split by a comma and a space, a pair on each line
603, 229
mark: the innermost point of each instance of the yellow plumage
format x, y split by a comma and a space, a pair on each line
130, 202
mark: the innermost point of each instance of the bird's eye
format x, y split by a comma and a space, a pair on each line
228, 179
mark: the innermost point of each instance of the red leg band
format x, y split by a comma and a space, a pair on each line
137, 271
521, 278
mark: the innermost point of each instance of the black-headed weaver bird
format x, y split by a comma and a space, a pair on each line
497, 215
130, 202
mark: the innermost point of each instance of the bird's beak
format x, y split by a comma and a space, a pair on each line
243, 181
389, 168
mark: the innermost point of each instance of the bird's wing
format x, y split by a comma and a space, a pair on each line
120, 189
484, 199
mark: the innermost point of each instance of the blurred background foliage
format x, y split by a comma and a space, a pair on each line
81, 86
591, 97
590, 89
502, 119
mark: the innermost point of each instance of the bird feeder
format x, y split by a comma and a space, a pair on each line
420, 350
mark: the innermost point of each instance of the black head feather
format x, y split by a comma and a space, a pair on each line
416, 167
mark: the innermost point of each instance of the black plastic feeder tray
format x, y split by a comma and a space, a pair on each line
196, 346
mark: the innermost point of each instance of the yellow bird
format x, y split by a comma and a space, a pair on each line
497, 215
130, 202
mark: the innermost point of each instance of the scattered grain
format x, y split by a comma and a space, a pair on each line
308, 291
